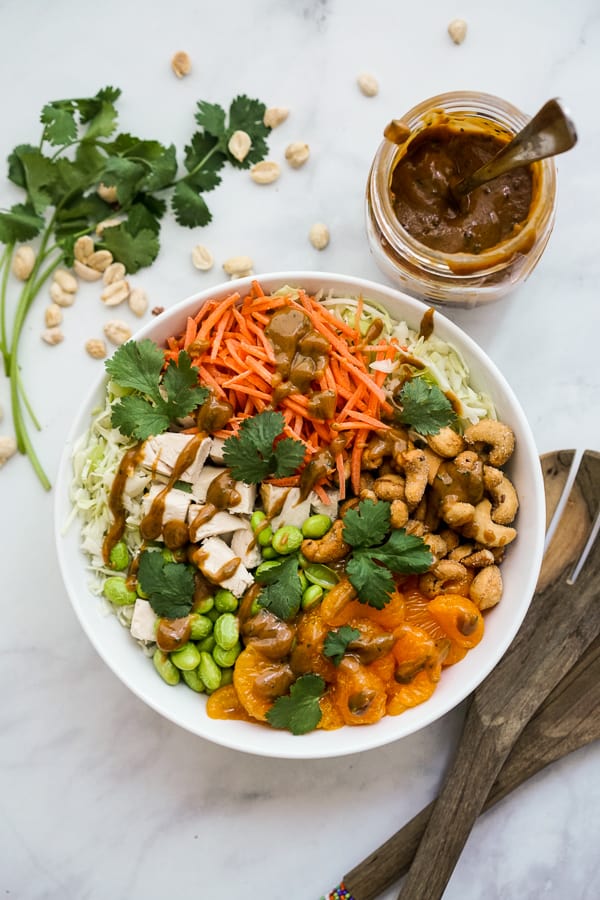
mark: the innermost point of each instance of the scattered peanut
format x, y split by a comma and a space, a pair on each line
202, 258
275, 115
23, 262
138, 302
297, 154
100, 260
181, 64
107, 192
114, 293
239, 145
53, 336
106, 223
457, 29
114, 272
319, 235
238, 266
368, 84
65, 281
86, 273
60, 296
83, 247
8, 448
53, 315
265, 172
117, 331
96, 348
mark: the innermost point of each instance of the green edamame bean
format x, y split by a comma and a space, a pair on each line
227, 631
303, 580
269, 553
119, 556
302, 560
187, 657
116, 591
226, 677
193, 680
213, 614
255, 608
226, 658
321, 575
316, 526
287, 539
201, 627
204, 606
209, 672
225, 601
264, 536
312, 596
207, 644
167, 555
256, 520
165, 668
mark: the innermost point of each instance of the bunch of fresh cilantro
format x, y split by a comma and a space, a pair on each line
77, 151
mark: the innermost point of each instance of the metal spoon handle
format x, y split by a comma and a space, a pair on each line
550, 132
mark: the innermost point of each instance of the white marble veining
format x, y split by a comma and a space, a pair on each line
99, 796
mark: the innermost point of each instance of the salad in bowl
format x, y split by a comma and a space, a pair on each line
313, 507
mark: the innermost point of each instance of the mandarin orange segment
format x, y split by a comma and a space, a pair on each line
403, 696
225, 704
258, 681
307, 655
359, 693
331, 717
384, 667
417, 611
460, 619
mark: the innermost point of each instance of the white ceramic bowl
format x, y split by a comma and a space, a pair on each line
520, 569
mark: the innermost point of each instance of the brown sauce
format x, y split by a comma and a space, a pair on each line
437, 158
213, 414
128, 463
301, 353
320, 465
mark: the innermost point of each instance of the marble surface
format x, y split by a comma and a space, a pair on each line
99, 796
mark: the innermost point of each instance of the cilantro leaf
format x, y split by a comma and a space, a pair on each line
189, 207
373, 583
211, 117
282, 594
247, 115
169, 586
125, 175
16, 170
58, 118
19, 223
337, 641
300, 711
37, 175
252, 454
425, 407
403, 553
368, 524
160, 398
135, 251
203, 159
137, 365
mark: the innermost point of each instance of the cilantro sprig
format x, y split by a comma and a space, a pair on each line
282, 591
169, 586
157, 399
424, 407
255, 452
79, 149
300, 711
374, 558
336, 642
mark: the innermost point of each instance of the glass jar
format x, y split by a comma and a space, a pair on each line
457, 279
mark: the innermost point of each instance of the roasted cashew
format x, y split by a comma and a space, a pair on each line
330, 548
434, 461
496, 435
486, 588
414, 527
398, 514
436, 544
368, 494
486, 532
460, 552
451, 537
390, 487
445, 577
456, 513
479, 559
416, 469
446, 442
505, 502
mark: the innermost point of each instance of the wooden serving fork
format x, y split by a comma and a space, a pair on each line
562, 622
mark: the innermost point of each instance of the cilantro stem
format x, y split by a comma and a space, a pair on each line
4, 262
195, 169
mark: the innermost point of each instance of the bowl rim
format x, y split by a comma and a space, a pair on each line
317, 744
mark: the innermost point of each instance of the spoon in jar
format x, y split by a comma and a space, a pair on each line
548, 133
